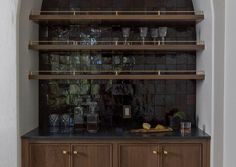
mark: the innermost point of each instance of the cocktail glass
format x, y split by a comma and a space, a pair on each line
163, 33
126, 33
143, 33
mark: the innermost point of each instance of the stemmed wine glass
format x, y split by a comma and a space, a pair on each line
143, 33
54, 122
163, 33
65, 118
126, 33
154, 34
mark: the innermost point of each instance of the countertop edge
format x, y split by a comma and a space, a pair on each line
36, 134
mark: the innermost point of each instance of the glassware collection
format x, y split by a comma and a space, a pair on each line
78, 122
155, 33
92, 36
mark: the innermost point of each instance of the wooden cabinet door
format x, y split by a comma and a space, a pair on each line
49, 155
92, 155
181, 155
138, 155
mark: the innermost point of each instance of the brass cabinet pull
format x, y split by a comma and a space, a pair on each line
75, 152
64, 152
165, 152
154, 152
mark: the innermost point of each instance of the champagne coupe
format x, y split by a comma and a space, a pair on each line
143, 33
163, 33
154, 34
126, 33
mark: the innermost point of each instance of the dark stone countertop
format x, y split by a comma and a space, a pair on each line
116, 134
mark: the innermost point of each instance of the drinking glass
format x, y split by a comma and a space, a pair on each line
65, 120
54, 123
126, 33
185, 127
143, 33
154, 34
163, 33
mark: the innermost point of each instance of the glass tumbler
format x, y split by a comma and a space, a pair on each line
185, 127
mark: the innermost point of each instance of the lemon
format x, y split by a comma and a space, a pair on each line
146, 126
160, 127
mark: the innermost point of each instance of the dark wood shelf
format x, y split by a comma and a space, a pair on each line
111, 46
152, 16
114, 75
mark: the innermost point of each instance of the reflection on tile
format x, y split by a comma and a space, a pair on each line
96, 59
85, 59
107, 60
64, 60
54, 59
116, 60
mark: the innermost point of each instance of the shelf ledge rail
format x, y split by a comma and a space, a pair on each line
78, 12
118, 75
156, 72
115, 43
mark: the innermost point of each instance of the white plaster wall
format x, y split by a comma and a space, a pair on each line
230, 83
204, 62
218, 110
28, 60
8, 83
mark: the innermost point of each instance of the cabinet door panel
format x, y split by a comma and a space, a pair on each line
92, 155
181, 155
139, 155
49, 155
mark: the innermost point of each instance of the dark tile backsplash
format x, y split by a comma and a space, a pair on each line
180, 5
149, 100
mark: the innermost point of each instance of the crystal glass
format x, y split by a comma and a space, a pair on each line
143, 33
154, 34
54, 123
163, 33
126, 33
65, 120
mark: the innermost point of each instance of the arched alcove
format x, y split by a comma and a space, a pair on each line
28, 60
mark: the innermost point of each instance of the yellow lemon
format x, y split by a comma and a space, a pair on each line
160, 127
146, 126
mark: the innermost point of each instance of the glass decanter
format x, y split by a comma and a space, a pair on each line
92, 118
79, 119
